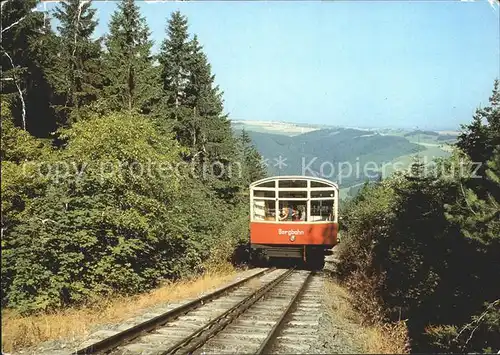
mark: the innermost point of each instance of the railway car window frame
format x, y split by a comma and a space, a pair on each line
313, 194
282, 184
327, 215
270, 194
303, 202
297, 194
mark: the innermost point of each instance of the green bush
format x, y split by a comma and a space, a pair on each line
104, 230
403, 257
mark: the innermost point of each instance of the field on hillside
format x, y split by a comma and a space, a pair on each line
347, 156
283, 128
403, 162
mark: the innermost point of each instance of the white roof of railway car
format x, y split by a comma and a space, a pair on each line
294, 177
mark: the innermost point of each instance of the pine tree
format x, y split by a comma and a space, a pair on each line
131, 81
24, 36
76, 71
201, 94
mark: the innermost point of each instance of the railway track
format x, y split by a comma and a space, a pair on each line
273, 310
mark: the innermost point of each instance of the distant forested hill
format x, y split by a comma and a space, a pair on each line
326, 152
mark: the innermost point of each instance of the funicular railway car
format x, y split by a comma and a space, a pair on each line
293, 217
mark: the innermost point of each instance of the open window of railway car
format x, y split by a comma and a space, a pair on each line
264, 194
264, 205
264, 210
322, 210
298, 207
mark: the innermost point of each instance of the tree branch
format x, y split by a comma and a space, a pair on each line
12, 24
18, 89
3, 3
465, 198
77, 21
478, 321
481, 317
18, 21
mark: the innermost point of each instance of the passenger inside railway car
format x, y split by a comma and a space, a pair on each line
286, 213
302, 214
283, 213
270, 211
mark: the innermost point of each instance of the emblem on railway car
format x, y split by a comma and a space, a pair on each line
292, 238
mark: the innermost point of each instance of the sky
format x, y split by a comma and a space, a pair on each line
425, 64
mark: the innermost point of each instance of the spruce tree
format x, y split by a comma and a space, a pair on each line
480, 138
174, 57
478, 209
192, 105
479, 216
131, 81
251, 159
201, 94
76, 72
193, 102
209, 130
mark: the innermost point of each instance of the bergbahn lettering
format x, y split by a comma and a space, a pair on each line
290, 232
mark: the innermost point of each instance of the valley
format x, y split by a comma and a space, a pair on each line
347, 155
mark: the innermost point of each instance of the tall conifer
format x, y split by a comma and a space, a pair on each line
24, 57
174, 57
131, 81
76, 74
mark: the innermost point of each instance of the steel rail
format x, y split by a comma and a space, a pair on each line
267, 343
131, 333
197, 338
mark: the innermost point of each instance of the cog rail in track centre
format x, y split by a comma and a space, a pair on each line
269, 341
265, 326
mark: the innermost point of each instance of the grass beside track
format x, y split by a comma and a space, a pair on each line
381, 338
19, 332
